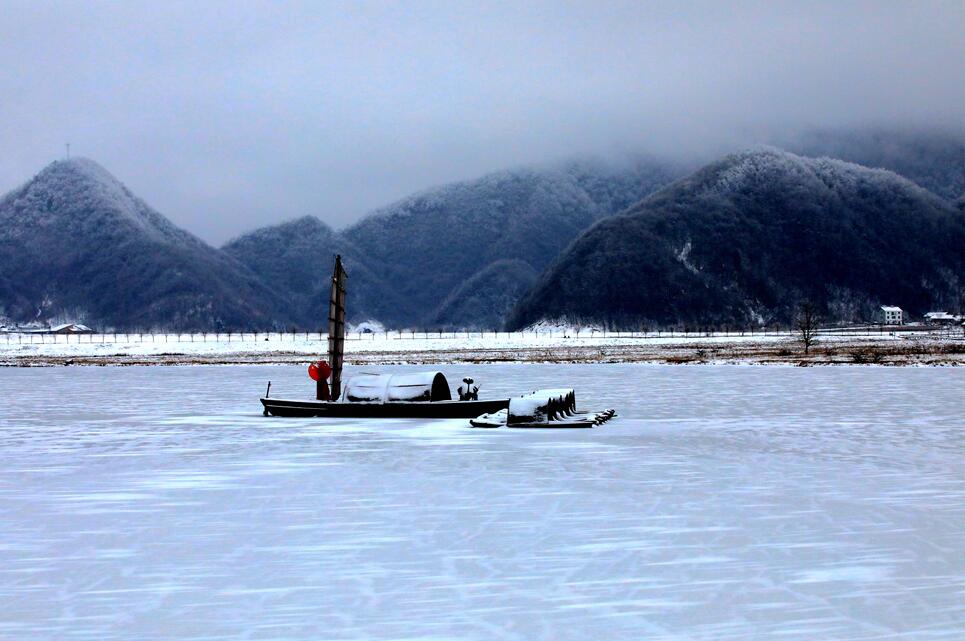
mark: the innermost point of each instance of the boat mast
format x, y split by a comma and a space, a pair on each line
336, 326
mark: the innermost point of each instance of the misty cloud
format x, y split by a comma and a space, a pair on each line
227, 116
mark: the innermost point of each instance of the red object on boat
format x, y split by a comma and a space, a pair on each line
320, 370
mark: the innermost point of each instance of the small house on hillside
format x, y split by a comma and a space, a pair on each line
891, 315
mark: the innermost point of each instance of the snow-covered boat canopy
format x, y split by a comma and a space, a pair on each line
397, 388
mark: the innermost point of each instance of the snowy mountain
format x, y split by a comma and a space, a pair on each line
410, 262
931, 158
433, 242
484, 300
77, 244
295, 259
291, 256
751, 236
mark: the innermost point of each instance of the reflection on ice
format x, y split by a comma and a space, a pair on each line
724, 503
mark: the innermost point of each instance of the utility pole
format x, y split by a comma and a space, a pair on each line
68, 151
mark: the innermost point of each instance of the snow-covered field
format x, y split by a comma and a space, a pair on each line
421, 347
304, 343
726, 503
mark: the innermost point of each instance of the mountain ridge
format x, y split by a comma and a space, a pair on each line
79, 245
747, 238
931, 158
54, 230
424, 247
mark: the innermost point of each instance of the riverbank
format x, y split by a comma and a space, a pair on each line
836, 350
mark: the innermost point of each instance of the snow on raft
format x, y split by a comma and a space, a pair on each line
547, 408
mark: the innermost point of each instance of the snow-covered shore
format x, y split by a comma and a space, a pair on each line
561, 346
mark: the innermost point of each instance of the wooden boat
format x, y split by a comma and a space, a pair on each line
420, 395
424, 395
431, 409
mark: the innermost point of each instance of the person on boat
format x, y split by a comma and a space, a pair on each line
319, 372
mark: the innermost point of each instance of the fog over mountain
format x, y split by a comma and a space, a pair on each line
932, 158
228, 117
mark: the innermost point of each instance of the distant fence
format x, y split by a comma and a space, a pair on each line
586, 333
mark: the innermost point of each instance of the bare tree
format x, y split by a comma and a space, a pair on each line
807, 325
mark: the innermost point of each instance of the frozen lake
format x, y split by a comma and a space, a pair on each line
726, 502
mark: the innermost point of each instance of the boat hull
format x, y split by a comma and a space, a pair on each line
432, 409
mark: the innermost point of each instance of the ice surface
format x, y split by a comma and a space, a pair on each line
725, 503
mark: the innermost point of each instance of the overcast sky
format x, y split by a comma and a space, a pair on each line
226, 116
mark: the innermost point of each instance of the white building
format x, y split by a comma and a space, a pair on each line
891, 315
941, 318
